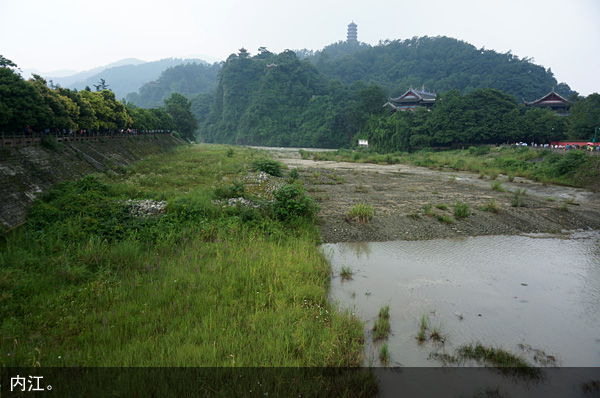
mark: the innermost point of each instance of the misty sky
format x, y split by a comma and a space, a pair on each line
50, 35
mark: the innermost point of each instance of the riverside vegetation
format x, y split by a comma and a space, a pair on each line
86, 283
574, 168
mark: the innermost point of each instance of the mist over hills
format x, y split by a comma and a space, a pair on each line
124, 77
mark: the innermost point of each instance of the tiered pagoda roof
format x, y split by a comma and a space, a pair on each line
411, 99
551, 100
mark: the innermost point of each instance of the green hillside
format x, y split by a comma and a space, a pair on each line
188, 79
438, 63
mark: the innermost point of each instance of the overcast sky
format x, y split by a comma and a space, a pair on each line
50, 35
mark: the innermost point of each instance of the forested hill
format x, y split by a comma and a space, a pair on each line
440, 64
188, 79
278, 100
326, 98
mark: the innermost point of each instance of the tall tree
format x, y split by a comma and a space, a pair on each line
179, 108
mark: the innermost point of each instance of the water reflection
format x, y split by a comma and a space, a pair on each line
501, 291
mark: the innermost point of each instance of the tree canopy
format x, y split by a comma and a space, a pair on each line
33, 104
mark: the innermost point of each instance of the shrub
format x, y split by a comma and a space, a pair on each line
460, 164
291, 202
269, 166
293, 174
235, 190
49, 142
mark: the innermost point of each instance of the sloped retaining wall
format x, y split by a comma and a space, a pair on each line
27, 171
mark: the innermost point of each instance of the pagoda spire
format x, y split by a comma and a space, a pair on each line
352, 34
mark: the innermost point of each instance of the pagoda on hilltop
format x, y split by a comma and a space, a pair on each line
411, 99
553, 101
352, 33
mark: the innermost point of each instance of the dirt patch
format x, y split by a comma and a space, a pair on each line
413, 203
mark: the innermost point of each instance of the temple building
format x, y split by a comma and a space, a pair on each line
411, 99
352, 33
553, 101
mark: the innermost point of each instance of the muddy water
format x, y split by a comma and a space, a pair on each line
541, 292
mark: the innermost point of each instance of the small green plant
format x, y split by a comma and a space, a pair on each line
360, 189
427, 210
384, 355
441, 206
444, 218
436, 335
517, 198
49, 142
230, 153
491, 206
346, 273
424, 325
493, 174
381, 328
497, 186
361, 212
384, 312
337, 179
461, 210
294, 174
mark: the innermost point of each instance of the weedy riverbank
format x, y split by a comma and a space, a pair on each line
574, 168
87, 282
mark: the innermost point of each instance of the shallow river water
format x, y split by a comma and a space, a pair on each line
520, 293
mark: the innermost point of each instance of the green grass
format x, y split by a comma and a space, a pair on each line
491, 206
461, 210
384, 354
381, 327
346, 273
574, 168
361, 212
85, 283
504, 361
423, 326
444, 218
497, 186
517, 198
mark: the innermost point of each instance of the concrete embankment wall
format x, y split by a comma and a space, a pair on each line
27, 171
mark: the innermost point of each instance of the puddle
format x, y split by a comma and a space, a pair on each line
502, 291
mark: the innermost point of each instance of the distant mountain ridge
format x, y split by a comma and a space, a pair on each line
67, 80
123, 76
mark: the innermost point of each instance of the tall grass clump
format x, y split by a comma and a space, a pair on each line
461, 210
517, 199
381, 327
361, 212
384, 354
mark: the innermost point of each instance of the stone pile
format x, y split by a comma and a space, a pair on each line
146, 207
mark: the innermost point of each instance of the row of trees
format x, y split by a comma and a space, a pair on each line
32, 103
483, 116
